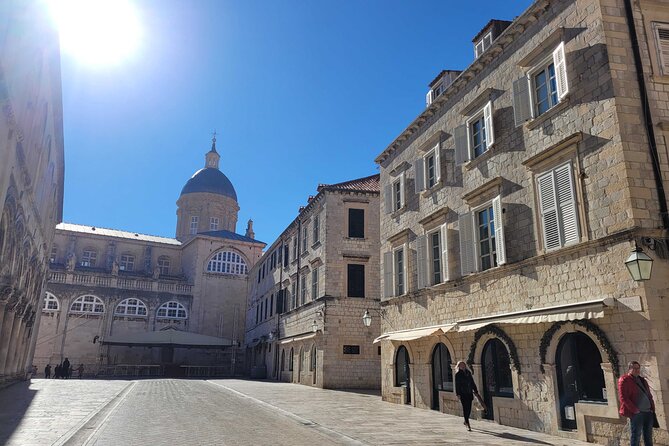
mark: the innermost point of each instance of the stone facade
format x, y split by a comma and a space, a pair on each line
538, 219
309, 291
107, 286
31, 175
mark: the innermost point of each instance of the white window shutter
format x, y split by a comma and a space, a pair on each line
662, 39
549, 214
402, 191
428, 98
444, 253
566, 200
560, 64
461, 145
422, 261
419, 171
522, 107
500, 245
388, 274
388, 198
466, 228
437, 163
489, 130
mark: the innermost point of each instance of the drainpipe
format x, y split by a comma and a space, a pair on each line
648, 121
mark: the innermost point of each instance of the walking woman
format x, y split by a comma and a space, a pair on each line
465, 388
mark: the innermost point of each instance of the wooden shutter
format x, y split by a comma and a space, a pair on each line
402, 191
437, 164
662, 40
422, 262
560, 64
428, 98
466, 227
388, 274
566, 200
419, 169
489, 130
388, 198
500, 245
461, 145
444, 253
549, 214
522, 108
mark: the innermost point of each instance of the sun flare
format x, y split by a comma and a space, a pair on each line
96, 32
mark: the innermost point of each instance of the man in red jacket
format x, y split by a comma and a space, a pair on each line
636, 403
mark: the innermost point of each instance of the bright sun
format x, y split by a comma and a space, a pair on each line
96, 32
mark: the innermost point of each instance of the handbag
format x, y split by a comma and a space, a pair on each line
483, 409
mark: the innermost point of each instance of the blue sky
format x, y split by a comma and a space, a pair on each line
301, 92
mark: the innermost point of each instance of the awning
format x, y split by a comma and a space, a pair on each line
591, 309
299, 338
167, 338
414, 333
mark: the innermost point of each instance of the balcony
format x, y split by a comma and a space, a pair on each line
106, 280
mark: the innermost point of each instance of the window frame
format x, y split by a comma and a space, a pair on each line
532, 75
50, 298
399, 286
164, 265
126, 262
89, 258
361, 226
663, 65
137, 305
194, 221
219, 262
303, 289
479, 116
177, 307
314, 283
470, 254
482, 42
213, 223
316, 229
348, 281
491, 239
83, 302
568, 165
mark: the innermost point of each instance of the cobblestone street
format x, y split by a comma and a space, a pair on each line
228, 412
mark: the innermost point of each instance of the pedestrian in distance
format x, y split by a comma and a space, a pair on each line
66, 368
465, 389
47, 371
636, 403
56, 372
80, 369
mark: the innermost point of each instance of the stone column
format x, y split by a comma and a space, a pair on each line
5, 338
19, 349
13, 341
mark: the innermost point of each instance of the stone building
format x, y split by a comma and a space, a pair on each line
309, 291
509, 207
127, 303
31, 175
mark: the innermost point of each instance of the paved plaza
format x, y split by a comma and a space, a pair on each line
228, 412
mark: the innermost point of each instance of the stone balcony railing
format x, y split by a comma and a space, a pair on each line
111, 281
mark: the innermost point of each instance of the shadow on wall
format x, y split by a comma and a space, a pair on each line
14, 403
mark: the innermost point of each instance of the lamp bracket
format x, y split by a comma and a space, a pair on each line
658, 245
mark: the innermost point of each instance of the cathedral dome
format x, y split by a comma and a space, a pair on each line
210, 180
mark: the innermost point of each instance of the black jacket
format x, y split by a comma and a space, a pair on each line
465, 387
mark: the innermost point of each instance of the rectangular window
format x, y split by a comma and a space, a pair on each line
279, 257
356, 280
293, 294
351, 349
89, 258
271, 305
285, 256
356, 223
435, 257
127, 263
483, 44
432, 257
305, 238
485, 221
557, 203
316, 229
303, 289
295, 248
54, 254
265, 304
428, 170
661, 34
193, 224
164, 266
397, 195
544, 88
257, 313
314, 284
398, 263
476, 136
213, 224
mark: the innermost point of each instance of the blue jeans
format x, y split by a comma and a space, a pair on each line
641, 422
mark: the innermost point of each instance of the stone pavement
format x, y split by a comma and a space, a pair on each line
229, 412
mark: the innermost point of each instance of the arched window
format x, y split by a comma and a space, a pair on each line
51, 303
402, 373
442, 373
87, 304
227, 262
497, 381
131, 307
172, 310
283, 360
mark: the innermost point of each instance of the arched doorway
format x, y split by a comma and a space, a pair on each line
442, 373
313, 364
402, 371
291, 364
300, 365
496, 374
579, 373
